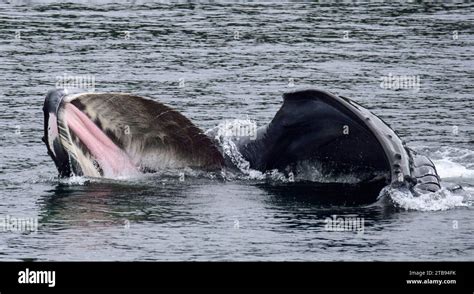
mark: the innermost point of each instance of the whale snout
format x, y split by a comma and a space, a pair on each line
53, 100
51, 136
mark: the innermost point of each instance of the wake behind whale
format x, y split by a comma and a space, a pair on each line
114, 134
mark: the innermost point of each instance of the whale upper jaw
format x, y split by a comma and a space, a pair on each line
51, 132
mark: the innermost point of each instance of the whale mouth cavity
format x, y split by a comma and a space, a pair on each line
78, 145
116, 135
95, 154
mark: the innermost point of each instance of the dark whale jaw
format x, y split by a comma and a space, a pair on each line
103, 135
343, 138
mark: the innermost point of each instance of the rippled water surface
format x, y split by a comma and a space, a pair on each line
217, 62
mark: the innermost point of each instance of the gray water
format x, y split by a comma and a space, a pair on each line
234, 61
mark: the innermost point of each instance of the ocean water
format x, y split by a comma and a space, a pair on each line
234, 61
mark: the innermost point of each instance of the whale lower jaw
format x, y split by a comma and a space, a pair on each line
342, 137
115, 134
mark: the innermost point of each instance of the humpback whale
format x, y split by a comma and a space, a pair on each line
114, 134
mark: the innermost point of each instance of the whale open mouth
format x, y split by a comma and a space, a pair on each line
116, 135
94, 153
77, 143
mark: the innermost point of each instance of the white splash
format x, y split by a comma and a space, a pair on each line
75, 180
452, 162
449, 169
226, 141
428, 201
